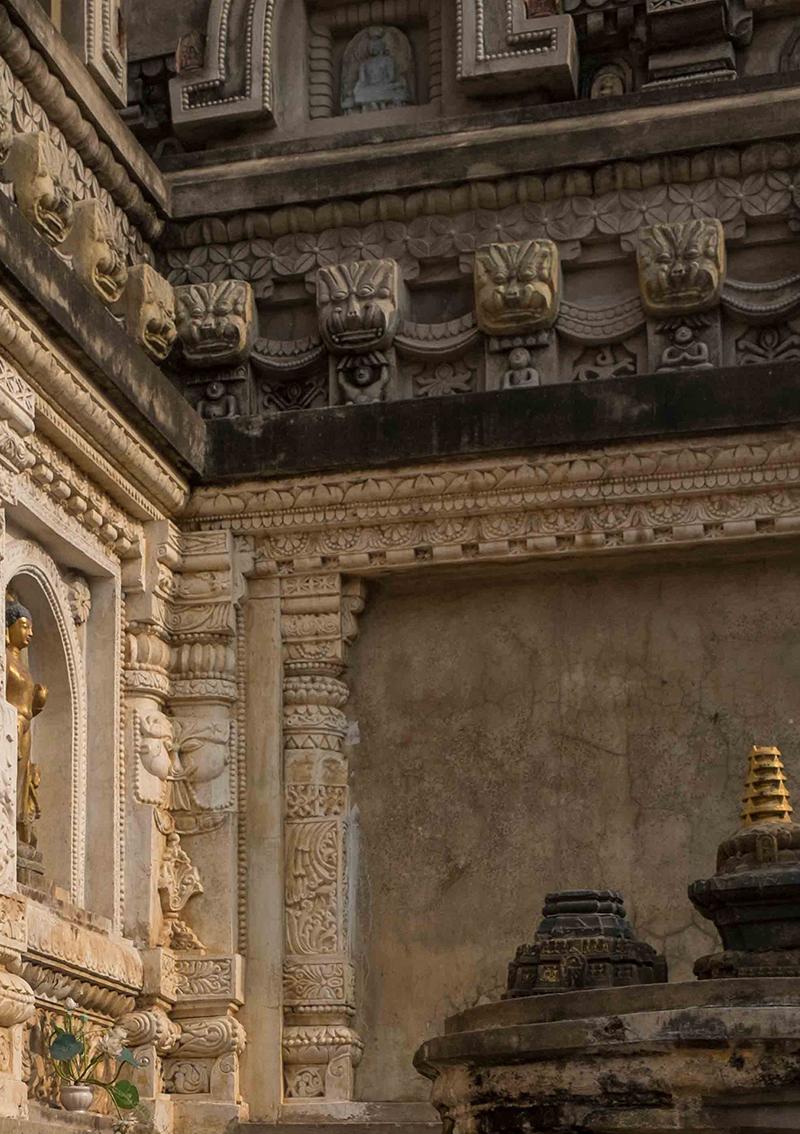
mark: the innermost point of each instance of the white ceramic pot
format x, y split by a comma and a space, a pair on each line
76, 1096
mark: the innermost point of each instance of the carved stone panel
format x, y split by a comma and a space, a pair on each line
516, 287
681, 266
516, 45
215, 322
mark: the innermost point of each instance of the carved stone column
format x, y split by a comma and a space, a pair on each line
200, 813
320, 1048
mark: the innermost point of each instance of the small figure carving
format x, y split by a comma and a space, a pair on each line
190, 52
357, 305
216, 403
37, 170
215, 321
686, 350
363, 378
98, 256
29, 699
377, 71
608, 81
149, 306
681, 266
520, 371
516, 286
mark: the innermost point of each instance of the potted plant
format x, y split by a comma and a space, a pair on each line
77, 1059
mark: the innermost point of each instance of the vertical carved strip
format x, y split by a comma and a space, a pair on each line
320, 1048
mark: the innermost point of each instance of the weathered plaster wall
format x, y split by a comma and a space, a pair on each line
568, 728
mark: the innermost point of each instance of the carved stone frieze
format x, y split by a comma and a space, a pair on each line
215, 321
55, 985
762, 301
681, 266
761, 344
517, 287
36, 168
490, 510
210, 979
149, 308
97, 254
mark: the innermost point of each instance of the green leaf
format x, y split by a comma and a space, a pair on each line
124, 1094
127, 1056
65, 1047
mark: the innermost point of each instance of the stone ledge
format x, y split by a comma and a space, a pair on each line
554, 137
473, 425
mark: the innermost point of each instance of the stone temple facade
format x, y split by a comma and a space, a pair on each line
400, 500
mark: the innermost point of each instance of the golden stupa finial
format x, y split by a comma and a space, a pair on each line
766, 796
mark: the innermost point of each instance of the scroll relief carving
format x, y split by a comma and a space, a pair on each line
36, 168
215, 322
359, 312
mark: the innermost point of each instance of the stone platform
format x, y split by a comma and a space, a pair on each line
698, 1057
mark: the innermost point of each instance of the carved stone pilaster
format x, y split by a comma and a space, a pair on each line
320, 1048
17, 1005
17, 408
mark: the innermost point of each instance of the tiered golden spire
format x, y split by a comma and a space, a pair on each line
766, 796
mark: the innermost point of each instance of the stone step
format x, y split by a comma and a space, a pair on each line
349, 1118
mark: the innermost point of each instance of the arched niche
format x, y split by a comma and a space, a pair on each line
56, 660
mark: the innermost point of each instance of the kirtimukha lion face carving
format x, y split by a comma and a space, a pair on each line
37, 170
358, 305
516, 287
215, 321
681, 266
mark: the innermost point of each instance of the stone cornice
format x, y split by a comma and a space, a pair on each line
43, 61
644, 128
626, 497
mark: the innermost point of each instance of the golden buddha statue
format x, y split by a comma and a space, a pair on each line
28, 698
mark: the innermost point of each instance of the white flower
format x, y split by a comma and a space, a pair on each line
70, 1004
113, 1041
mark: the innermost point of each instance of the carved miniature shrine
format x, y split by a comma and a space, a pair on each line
399, 466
